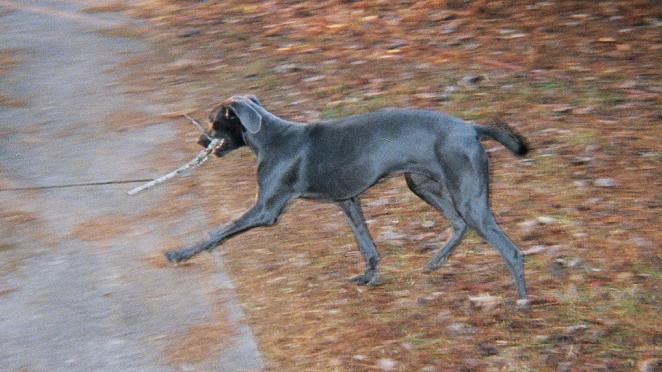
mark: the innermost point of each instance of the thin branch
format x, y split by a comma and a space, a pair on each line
195, 122
201, 158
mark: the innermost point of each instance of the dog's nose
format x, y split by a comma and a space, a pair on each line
203, 141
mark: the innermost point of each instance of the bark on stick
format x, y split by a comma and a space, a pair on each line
201, 158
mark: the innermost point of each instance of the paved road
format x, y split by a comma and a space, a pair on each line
73, 303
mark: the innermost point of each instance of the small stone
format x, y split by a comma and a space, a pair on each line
284, 68
584, 110
527, 226
486, 348
560, 339
458, 329
605, 182
379, 203
575, 263
428, 224
535, 249
606, 40
390, 235
184, 63
448, 92
576, 329
386, 364
523, 304
360, 357
484, 302
427, 247
595, 201
422, 301
471, 80
426, 95
546, 220
450, 27
314, 78
581, 160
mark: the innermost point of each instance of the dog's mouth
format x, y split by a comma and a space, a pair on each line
222, 148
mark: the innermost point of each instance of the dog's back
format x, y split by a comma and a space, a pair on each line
338, 164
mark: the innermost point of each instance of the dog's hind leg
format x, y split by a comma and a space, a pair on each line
432, 192
352, 209
484, 222
469, 191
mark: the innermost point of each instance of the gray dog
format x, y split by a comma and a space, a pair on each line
441, 157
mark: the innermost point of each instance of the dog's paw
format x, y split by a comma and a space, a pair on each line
430, 267
434, 265
175, 256
368, 280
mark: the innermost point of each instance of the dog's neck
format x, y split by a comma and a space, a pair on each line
271, 130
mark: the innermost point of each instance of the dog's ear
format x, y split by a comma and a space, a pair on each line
247, 114
254, 99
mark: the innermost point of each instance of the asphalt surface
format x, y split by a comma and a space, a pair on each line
67, 302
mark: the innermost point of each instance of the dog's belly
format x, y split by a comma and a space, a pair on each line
346, 182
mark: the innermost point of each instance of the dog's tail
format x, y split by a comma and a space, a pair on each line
507, 135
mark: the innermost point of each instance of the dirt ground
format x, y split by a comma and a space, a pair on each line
581, 80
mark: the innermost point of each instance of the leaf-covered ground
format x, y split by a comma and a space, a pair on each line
580, 79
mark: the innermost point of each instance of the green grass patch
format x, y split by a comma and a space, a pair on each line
584, 137
550, 85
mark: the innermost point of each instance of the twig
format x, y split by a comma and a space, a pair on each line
201, 158
195, 122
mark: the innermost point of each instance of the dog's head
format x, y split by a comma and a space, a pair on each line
230, 120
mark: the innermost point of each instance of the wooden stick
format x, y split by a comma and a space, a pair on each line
195, 122
201, 158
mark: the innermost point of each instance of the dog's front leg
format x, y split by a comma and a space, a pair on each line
352, 209
264, 213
